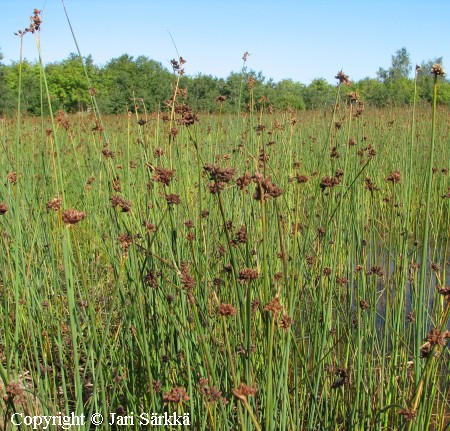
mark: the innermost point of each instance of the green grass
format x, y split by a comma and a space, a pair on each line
135, 328
255, 271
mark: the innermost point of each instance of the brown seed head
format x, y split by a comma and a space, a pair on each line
243, 181
163, 175
159, 152
241, 236
329, 182
187, 280
54, 204
265, 187
125, 240
274, 307
151, 279
436, 337
176, 395
244, 391
173, 199
72, 216
394, 178
117, 200
226, 310
363, 305
13, 390
408, 414
376, 270
285, 322
438, 70
12, 177
301, 179
445, 291
343, 78
3, 208
247, 274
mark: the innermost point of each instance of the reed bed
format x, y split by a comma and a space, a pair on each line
264, 270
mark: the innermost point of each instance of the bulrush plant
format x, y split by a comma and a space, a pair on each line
271, 270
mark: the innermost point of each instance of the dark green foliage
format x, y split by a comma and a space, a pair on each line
125, 80
6, 99
318, 94
68, 83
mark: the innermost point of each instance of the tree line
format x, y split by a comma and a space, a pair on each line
125, 79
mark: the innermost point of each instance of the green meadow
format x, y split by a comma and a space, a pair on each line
262, 270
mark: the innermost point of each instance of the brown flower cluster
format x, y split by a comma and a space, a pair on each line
243, 181
342, 375
274, 307
220, 177
301, 179
364, 305
241, 237
376, 270
212, 393
176, 395
35, 23
408, 414
329, 182
12, 390
149, 226
285, 322
54, 204
12, 177
265, 187
72, 216
244, 391
3, 208
97, 127
369, 185
247, 274
159, 152
394, 178
342, 280
334, 154
359, 108
438, 70
163, 175
151, 279
63, 120
343, 78
445, 291
125, 240
226, 310
116, 185
107, 152
186, 278
434, 338
186, 116
173, 199
89, 182
118, 201
177, 65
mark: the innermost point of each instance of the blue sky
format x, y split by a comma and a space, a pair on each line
301, 40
